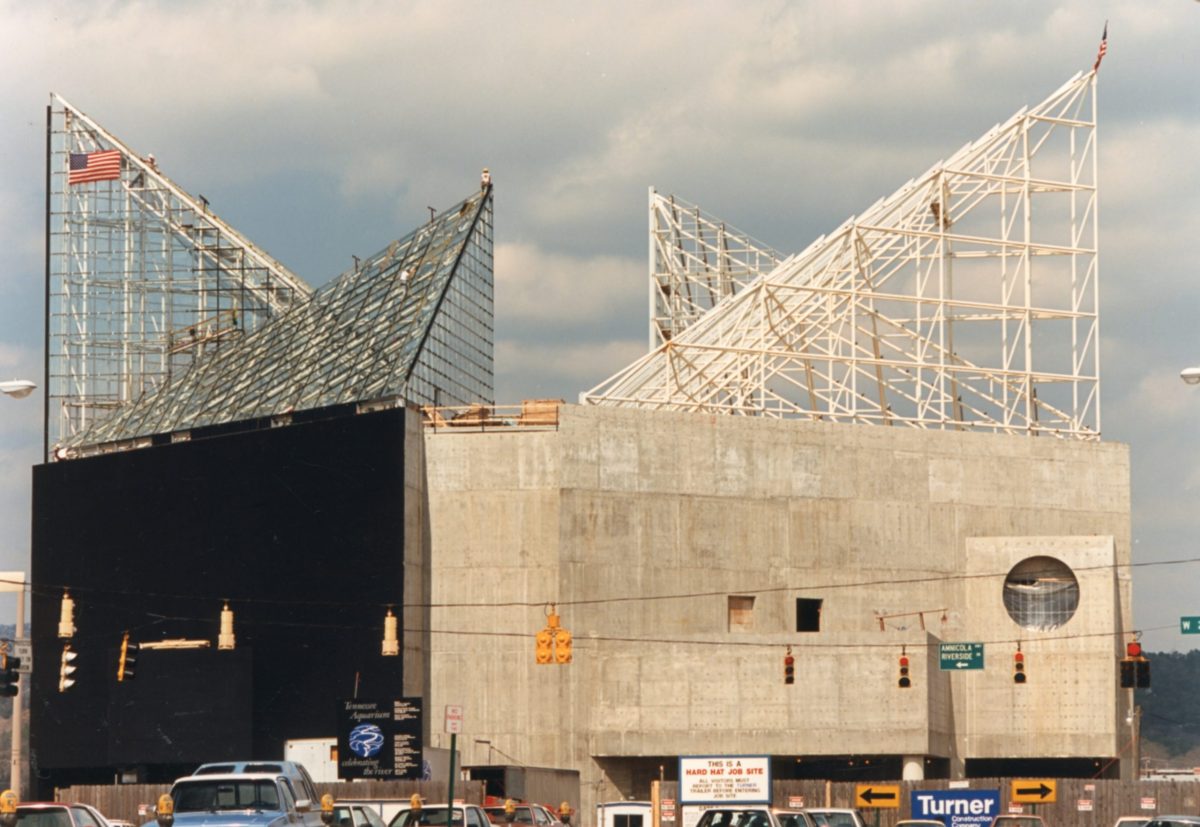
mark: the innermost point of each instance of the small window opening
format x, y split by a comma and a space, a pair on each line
741, 612
808, 614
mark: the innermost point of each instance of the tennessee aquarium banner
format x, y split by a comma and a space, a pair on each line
379, 738
957, 808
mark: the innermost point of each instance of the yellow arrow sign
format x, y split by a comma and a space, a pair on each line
877, 795
1034, 791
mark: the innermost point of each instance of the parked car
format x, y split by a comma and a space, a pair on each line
1174, 821
919, 822
836, 816
439, 815
297, 776
1132, 821
524, 813
56, 814
355, 815
755, 816
1014, 820
237, 800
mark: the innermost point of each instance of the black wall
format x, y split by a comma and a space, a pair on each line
300, 528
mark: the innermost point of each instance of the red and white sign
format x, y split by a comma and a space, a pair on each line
454, 719
1149, 803
1016, 808
718, 779
1084, 805
666, 809
795, 802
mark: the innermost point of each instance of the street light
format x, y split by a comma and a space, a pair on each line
20, 388
1190, 375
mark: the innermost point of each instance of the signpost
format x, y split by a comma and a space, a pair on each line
877, 795
1189, 625
1034, 791
957, 656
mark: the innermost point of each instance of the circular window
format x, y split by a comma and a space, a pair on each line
1041, 593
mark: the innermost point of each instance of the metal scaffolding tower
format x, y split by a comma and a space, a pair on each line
967, 299
142, 278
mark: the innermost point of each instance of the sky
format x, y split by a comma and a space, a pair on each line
323, 130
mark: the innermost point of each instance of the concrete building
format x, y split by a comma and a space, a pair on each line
686, 552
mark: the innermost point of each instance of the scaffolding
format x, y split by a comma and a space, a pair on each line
967, 299
142, 279
696, 260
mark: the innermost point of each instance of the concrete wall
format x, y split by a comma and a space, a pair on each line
874, 521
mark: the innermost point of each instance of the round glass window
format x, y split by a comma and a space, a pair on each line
1041, 593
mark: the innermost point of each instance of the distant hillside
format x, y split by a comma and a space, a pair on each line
1170, 714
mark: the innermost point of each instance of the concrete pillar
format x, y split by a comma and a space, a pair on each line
914, 767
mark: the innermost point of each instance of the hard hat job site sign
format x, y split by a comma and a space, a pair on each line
379, 738
717, 779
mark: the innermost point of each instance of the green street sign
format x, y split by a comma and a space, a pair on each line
956, 656
1189, 625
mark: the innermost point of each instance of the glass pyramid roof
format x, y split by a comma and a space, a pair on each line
413, 321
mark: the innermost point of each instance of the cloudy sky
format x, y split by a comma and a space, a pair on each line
324, 130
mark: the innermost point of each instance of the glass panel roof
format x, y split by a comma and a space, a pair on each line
361, 337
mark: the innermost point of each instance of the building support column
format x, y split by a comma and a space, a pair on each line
914, 767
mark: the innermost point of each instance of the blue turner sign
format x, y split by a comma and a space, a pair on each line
957, 808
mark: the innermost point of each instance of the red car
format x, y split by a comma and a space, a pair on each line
57, 814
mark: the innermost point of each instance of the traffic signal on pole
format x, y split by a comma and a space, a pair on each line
66, 669
905, 682
127, 660
1135, 667
789, 668
9, 677
1018, 666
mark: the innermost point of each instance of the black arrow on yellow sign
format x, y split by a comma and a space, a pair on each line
1041, 790
871, 796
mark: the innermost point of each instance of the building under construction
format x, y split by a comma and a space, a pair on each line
850, 456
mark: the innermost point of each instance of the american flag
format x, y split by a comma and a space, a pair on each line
94, 166
1103, 48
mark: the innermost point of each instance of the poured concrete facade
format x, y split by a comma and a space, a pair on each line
676, 545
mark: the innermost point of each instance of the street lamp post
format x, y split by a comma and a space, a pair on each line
1190, 375
15, 581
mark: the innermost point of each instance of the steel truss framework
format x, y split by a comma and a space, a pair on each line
967, 299
412, 323
695, 261
142, 279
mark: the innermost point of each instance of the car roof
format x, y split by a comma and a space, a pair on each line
228, 776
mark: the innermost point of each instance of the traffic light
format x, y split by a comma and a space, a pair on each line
789, 668
128, 659
1018, 667
9, 677
562, 646
905, 682
1128, 673
66, 669
544, 647
1135, 667
1142, 670
553, 643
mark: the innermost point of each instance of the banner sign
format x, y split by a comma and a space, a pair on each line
379, 738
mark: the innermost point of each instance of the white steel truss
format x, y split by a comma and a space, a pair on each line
695, 261
142, 278
967, 299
